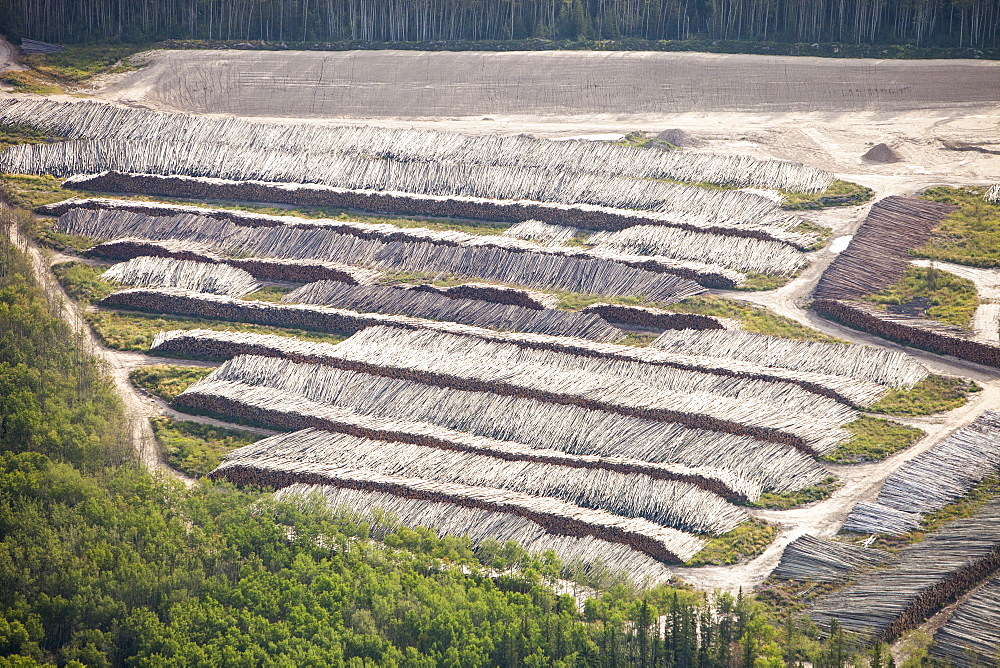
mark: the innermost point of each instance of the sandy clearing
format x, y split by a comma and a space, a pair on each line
440, 83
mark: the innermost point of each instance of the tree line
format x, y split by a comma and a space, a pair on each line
937, 23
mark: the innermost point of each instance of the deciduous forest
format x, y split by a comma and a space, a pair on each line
941, 23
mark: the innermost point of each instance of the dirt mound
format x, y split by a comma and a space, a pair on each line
680, 138
882, 153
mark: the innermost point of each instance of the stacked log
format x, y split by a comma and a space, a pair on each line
498, 294
777, 412
383, 511
105, 121
402, 300
543, 233
655, 318
407, 249
743, 254
275, 269
918, 332
972, 635
877, 365
745, 465
929, 575
894, 227
666, 502
579, 215
819, 560
668, 545
159, 272
852, 391
933, 479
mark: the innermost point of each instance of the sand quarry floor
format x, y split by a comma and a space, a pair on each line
821, 112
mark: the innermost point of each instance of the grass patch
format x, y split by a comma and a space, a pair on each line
268, 294
756, 282
932, 293
931, 395
799, 497
873, 439
83, 281
194, 448
970, 235
29, 82
135, 331
28, 192
75, 64
754, 318
166, 381
967, 506
743, 543
840, 193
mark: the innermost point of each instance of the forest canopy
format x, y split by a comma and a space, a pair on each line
933, 23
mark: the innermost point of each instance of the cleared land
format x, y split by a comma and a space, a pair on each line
379, 84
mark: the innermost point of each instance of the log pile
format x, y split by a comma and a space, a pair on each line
933, 479
918, 332
579, 215
383, 511
928, 575
877, 365
777, 411
160, 272
655, 318
498, 294
847, 390
663, 543
972, 635
275, 269
403, 300
744, 465
894, 227
701, 207
819, 560
666, 502
104, 121
406, 249
539, 232
743, 254
281, 409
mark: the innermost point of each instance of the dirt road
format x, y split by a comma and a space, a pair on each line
9, 57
